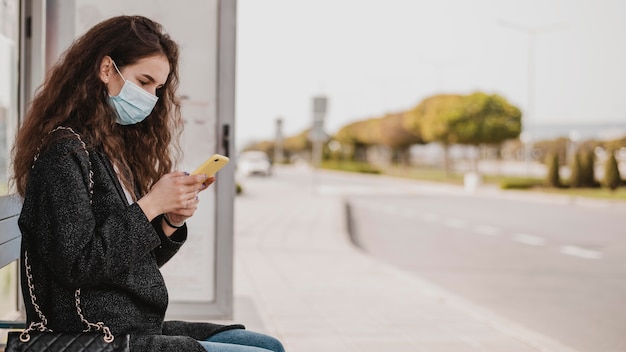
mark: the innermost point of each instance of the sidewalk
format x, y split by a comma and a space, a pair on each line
298, 277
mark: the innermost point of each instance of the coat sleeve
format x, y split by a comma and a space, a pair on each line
162, 343
169, 245
198, 330
59, 214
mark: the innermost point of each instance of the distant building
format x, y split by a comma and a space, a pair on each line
585, 131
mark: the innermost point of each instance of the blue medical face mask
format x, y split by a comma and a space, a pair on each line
132, 104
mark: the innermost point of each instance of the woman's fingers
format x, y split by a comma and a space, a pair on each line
188, 210
209, 181
179, 190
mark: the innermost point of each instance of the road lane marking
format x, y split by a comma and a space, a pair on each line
429, 217
455, 223
529, 239
580, 252
487, 230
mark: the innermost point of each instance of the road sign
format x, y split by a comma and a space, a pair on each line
317, 133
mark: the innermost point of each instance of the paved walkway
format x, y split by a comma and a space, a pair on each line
298, 277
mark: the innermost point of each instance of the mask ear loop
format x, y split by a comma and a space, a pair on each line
118, 70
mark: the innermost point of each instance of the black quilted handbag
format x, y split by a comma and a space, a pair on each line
37, 337
65, 341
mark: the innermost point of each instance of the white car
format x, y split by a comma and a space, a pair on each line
254, 162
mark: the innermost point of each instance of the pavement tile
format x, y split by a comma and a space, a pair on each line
504, 345
378, 345
448, 346
320, 343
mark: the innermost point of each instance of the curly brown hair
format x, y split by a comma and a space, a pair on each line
73, 95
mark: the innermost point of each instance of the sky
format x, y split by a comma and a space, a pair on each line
372, 57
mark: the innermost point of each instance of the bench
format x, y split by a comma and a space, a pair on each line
10, 239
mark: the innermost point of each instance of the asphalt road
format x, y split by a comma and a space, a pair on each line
557, 268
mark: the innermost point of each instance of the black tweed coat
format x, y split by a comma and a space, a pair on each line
106, 247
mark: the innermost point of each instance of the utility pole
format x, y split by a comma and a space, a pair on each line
527, 126
317, 135
278, 145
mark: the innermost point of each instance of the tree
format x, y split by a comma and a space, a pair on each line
264, 146
359, 136
297, 143
487, 119
588, 162
434, 119
474, 119
554, 179
576, 173
612, 178
395, 136
615, 144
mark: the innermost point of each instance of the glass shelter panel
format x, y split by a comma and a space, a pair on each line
9, 76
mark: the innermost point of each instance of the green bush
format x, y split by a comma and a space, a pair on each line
588, 177
576, 172
519, 183
554, 179
351, 166
612, 178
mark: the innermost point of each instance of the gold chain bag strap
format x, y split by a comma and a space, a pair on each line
38, 337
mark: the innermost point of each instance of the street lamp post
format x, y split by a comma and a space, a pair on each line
317, 135
278, 149
532, 33
526, 140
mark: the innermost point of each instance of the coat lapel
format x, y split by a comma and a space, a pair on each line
113, 175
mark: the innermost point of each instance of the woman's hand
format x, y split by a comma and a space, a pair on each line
175, 193
178, 216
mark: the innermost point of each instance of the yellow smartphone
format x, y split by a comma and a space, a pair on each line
212, 165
